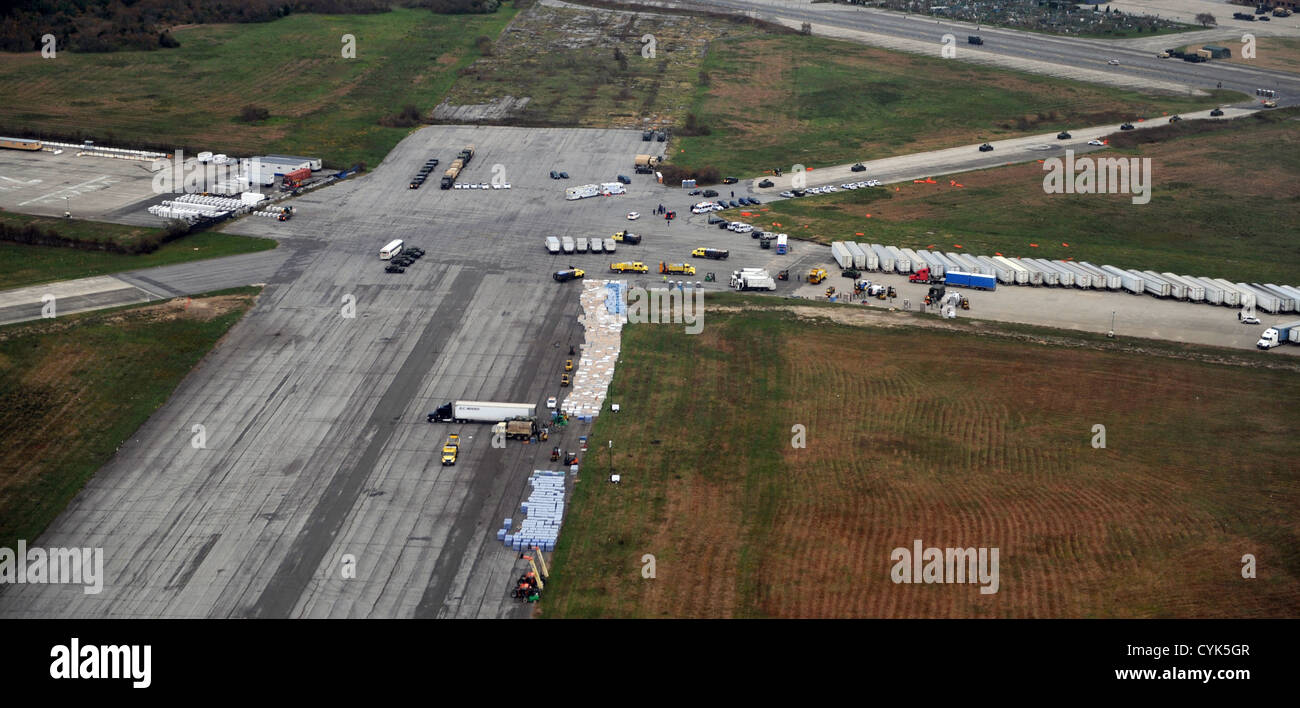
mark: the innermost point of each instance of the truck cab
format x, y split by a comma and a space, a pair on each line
564, 276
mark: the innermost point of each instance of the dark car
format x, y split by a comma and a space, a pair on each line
733, 204
850, 273
754, 201
416, 185
798, 192
1217, 112
722, 204
647, 135
625, 179
1126, 126
555, 175
661, 136
432, 163
729, 180
394, 269
1062, 135
723, 224
716, 219
1175, 118
710, 193
859, 167
695, 192
986, 147
564, 175
765, 184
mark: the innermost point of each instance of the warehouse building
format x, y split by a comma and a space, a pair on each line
292, 162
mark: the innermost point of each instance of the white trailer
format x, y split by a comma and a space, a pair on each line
1192, 291
581, 244
1083, 278
610, 245
841, 254
1036, 274
1108, 280
950, 263
872, 259
567, 244
1064, 276
901, 262
998, 270
1019, 272
859, 255
1264, 300
969, 264
1231, 294
392, 249
1128, 280
886, 258
922, 259
1154, 284
596, 245
482, 412
1288, 302
1212, 292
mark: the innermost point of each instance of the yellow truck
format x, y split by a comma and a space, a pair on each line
676, 268
450, 450
632, 267
816, 275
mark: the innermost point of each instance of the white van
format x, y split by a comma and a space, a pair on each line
205, 157
552, 244
392, 249
582, 244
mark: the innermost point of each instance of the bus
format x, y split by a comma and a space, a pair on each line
392, 249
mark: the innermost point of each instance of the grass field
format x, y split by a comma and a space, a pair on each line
320, 103
73, 389
563, 60
1223, 205
22, 264
778, 101
907, 439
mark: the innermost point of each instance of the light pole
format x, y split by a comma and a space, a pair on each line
1111, 333
611, 457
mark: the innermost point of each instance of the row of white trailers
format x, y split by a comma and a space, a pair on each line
1077, 274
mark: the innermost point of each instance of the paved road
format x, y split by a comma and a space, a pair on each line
1080, 59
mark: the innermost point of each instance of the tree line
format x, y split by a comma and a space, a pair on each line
112, 25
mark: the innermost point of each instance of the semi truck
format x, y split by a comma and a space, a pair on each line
715, 254
481, 412
627, 237
970, 280
1279, 334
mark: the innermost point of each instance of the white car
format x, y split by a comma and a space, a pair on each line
550, 402
633, 215
484, 185
787, 194
1249, 320
1096, 143
1113, 62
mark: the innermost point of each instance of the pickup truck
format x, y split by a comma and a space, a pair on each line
634, 266
627, 237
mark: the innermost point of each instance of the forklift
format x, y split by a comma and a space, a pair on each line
783, 275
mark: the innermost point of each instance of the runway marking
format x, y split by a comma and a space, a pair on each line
75, 189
